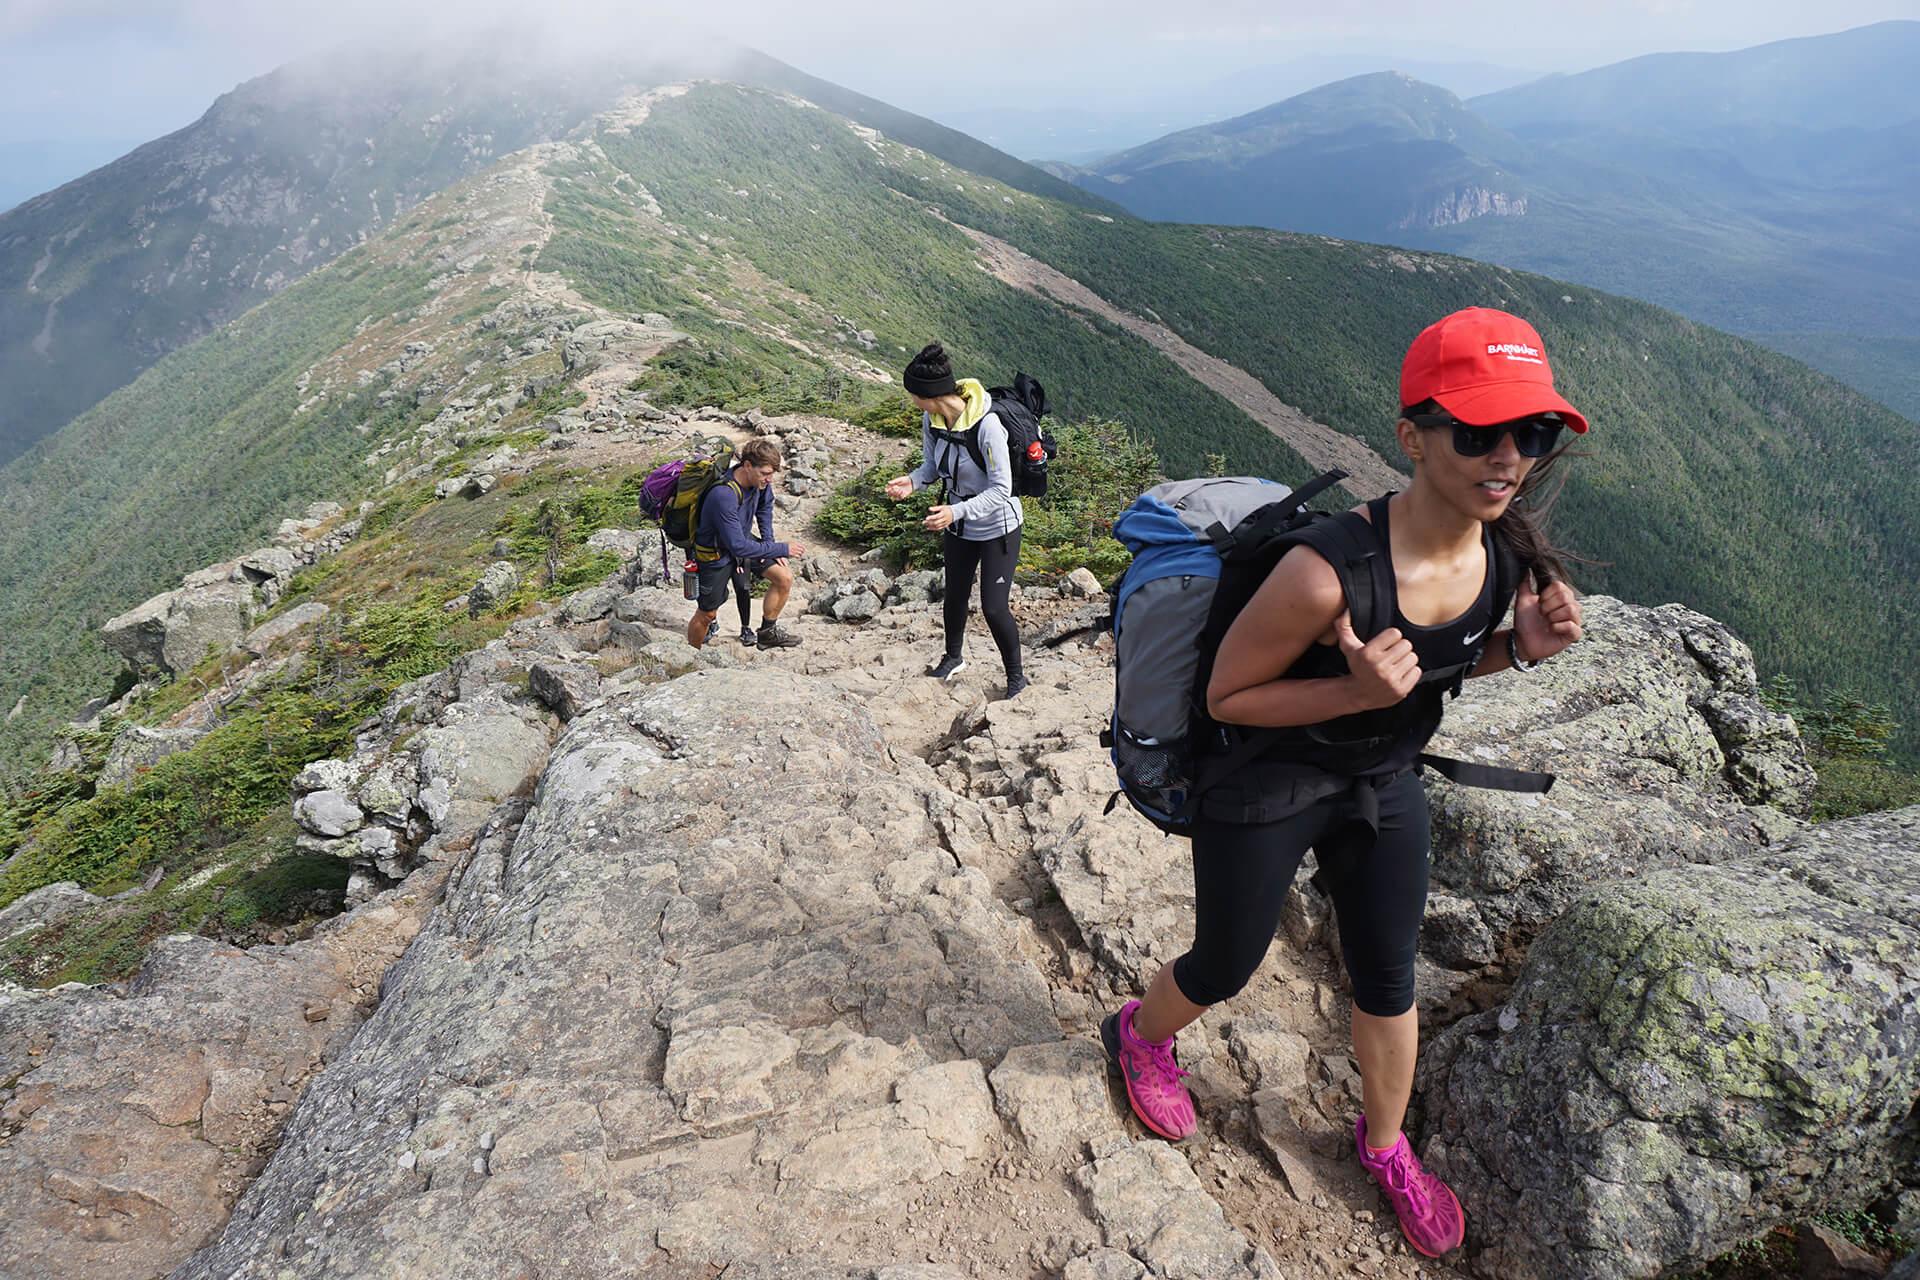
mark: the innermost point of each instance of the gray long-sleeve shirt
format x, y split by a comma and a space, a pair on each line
983, 503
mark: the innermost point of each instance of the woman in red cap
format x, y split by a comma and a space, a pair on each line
1480, 422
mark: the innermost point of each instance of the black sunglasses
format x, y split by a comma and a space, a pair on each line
1534, 437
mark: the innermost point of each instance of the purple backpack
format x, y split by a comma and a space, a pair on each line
657, 488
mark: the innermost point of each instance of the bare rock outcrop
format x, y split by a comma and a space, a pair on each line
1664, 756
132, 1114
728, 1000
1691, 1057
176, 629
213, 609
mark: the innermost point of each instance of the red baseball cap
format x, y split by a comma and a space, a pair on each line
1483, 366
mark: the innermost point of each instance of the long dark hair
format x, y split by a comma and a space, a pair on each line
1521, 528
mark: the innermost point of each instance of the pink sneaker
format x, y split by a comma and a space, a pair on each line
1152, 1076
1430, 1214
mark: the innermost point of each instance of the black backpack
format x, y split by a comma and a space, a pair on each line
1029, 448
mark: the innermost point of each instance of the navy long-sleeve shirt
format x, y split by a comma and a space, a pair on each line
727, 516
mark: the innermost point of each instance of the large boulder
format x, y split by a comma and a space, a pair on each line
469, 766
1664, 755
1690, 1058
495, 585
174, 631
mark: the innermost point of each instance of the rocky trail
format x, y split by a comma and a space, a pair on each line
927, 1096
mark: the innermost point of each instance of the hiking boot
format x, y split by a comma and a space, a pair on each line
713, 629
1430, 1214
746, 636
1151, 1074
1015, 683
947, 668
773, 636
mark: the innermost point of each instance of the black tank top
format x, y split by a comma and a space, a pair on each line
1447, 644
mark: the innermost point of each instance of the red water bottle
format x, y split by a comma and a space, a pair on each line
693, 580
1036, 470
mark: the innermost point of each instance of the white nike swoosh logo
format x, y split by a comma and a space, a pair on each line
1475, 636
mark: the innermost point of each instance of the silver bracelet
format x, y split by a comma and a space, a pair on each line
1513, 654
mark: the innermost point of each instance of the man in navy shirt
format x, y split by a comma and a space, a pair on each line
725, 550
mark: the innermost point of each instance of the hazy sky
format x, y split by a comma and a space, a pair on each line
136, 69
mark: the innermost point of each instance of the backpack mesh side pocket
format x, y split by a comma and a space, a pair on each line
1155, 774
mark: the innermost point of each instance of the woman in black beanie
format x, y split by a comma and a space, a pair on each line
981, 517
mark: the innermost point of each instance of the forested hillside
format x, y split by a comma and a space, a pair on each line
1769, 191
103, 276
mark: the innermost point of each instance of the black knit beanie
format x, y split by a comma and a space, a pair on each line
928, 375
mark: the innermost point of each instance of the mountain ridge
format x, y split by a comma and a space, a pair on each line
286, 172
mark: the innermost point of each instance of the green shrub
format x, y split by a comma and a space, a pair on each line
891, 415
188, 807
1102, 468
1849, 788
552, 401
1847, 740
860, 512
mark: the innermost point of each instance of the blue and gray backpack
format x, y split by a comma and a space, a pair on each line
1201, 548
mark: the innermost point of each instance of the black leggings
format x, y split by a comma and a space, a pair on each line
995, 558
1242, 870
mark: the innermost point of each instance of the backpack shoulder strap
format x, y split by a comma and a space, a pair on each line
971, 438
968, 439
1351, 543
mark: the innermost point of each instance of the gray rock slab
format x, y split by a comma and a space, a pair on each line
134, 1112
1664, 756
48, 903
1147, 1200
138, 747
478, 762
707, 1012
1692, 1057
1055, 1095
294, 620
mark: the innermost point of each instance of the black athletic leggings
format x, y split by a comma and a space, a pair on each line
995, 558
1242, 870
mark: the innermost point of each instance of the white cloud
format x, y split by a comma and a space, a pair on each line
151, 63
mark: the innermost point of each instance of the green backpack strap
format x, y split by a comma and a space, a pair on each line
739, 496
